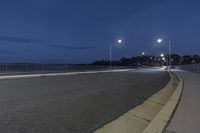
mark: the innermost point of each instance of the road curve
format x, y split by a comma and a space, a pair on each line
73, 103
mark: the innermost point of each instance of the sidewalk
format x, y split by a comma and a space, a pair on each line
186, 118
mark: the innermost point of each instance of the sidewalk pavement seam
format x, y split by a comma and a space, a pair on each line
155, 102
140, 117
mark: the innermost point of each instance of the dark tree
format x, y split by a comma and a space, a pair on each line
175, 59
186, 59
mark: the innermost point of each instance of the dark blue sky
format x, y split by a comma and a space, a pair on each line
81, 31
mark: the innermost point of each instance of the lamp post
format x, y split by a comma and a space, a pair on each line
143, 59
169, 51
119, 41
199, 63
163, 58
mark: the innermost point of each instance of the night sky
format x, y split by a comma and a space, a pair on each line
81, 31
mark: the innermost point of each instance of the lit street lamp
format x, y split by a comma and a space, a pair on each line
159, 40
143, 53
119, 41
169, 50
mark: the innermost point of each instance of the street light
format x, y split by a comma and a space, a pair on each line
169, 50
163, 58
119, 41
162, 55
143, 53
159, 40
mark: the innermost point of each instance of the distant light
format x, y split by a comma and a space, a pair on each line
143, 53
119, 40
159, 40
163, 58
162, 55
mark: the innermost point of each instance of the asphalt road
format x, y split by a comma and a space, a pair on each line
74, 103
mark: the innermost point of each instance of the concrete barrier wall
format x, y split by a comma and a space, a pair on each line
32, 68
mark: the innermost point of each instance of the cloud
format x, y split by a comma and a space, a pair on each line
16, 39
71, 47
39, 42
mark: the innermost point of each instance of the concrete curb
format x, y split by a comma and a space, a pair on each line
58, 74
153, 115
161, 120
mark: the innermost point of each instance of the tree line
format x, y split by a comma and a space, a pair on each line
149, 60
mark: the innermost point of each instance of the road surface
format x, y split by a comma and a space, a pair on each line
74, 103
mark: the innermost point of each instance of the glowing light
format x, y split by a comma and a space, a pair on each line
162, 55
159, 40
119, 40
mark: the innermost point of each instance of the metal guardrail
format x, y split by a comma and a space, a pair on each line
191, 67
